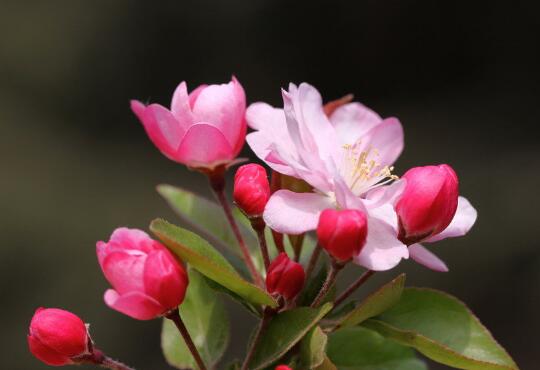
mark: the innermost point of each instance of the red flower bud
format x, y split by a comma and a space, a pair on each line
251, 189
283, 367
56, 336
147, 279
342, 233
285, 277
428, 203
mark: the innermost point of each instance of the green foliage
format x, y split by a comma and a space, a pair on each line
196, 251
284, 331
376, 303
206, 320
313, 348
442, 328
358, 348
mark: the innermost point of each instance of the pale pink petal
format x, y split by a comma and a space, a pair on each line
295, 213
132, 239
180, 105
223, 106
308, 123
383, 250
387, 139
162, 127
204, 146
462, 222
136, 304
124, 271
262, 145
427, 258
195, 94
385, 194
352, 121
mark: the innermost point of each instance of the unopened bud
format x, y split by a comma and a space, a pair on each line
251, 189
285, 277
342, 233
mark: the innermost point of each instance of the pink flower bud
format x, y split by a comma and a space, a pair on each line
285, 277
147, 279
251, 189
342, 233
283, 367
56, 336
428, 203
204, 129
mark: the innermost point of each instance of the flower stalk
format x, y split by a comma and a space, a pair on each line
217, 183
267, 315
328, 283
174, 316
258, 225
352, 288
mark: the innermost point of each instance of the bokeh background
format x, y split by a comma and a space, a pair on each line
75, 163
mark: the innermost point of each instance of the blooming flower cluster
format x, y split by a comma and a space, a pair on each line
332, 176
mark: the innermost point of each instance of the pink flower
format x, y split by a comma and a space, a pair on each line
285, 277
148, 280
204, 129
342, 233
57, 336
251, 189
346, 158
283, 367
430, 209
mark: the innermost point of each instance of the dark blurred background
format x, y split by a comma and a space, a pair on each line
75, 163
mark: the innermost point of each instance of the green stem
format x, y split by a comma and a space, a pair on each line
174, 316
328, 283
355, 285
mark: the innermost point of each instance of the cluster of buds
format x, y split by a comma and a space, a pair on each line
206, 130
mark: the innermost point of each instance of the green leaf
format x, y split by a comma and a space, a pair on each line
376, 303
358, 348
313, 348
326, 365
207, 218
206, 320
442, 328
205, 215
203, 257
284, 331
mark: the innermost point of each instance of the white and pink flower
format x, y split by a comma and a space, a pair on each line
347, 158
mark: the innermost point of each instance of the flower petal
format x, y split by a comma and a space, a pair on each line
295, 213
203, 146
352, 121
165, 279
46, 354
223, 106
426, 258
263, 146
163, 129
180, 105
383, 250
124, 270
462, 222
136, 304
387, 139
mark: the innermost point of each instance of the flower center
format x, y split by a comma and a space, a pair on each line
361, 169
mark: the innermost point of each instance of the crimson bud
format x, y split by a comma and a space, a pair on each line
251, 189
428, 203
342, 233
285, 277
57, 337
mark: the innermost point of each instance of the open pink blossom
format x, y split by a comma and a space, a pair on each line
204, 129
346, 157
147, 279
